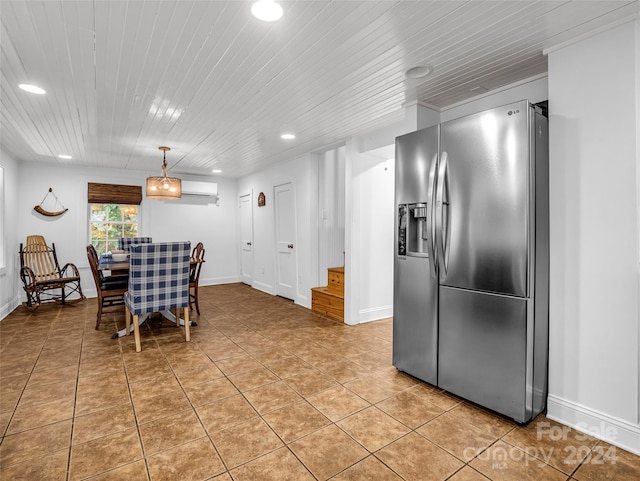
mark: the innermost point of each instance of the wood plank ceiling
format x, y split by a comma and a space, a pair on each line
219, 86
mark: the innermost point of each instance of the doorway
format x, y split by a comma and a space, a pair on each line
246, 239
286, 259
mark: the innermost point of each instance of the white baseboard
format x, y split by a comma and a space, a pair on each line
620, 433
269, 289
9, 307
374, 314
214, 281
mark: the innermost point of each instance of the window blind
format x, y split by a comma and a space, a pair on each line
114, 194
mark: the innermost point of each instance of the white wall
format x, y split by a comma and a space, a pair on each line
9, 277
372, 198
593, 367
300, 173
192, 219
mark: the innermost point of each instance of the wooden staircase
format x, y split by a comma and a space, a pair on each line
329, 300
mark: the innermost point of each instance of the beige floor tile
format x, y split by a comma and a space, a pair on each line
272, 352
190, 376
503, 462
102, 423
45, 393
147, 368
372, 428
327, 452
15, 382
151, 387
372, 389
414, 457
608, 463
4, 421
50, 467
337, 403
311, 382
279, 465
36, 442
170, 431
104, 453
468, 474
224, 413
49, 376
107, 366
244, 442
251, 379
436, 396
410, 409
159, 406
272, 396
28, 417
483, 419
288, 366
237, 364
195, 460
92, 397
136, 471
552, 443
455, 435
295, 421
342, 370
209, 391
369, 469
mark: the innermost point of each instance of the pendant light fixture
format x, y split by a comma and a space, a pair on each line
164, 187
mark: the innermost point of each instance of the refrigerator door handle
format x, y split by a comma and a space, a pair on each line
442, 203
431, 196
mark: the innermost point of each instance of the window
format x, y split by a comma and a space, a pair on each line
110, 222
114, 213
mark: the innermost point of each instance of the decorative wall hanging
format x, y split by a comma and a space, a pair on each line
41, 210
261, 199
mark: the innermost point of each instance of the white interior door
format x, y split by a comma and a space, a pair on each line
285, 241
246, 239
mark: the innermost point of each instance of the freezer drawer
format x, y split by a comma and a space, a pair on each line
415, 325
486, 350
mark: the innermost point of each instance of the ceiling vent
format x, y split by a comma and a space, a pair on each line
202, 189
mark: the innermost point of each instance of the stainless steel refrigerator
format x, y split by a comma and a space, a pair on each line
471, 277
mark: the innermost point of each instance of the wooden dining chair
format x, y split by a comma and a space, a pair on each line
110, 289
194, 275
125, 243
158, 281
41, 275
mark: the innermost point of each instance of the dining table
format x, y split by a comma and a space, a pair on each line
122, 267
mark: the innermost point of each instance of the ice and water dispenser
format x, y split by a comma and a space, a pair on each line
412, 230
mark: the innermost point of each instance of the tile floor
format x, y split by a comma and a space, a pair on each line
266, 390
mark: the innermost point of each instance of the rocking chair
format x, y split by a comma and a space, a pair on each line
41, 273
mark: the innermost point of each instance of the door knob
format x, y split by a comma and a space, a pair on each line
290, 246
248, 243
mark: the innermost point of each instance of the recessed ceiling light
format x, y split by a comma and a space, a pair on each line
419, 71
287, 136
64, 156
34, 89
266, 10
216, 171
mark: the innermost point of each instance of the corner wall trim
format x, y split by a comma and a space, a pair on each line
618, 432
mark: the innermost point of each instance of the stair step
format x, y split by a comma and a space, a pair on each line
335, 279
328, 303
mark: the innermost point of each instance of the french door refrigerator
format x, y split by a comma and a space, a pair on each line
471, 277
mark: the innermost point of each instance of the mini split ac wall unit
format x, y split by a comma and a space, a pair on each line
198, 188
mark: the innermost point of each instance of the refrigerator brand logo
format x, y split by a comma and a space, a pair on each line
513, 112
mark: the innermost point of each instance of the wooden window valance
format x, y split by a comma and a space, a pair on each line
114, 194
